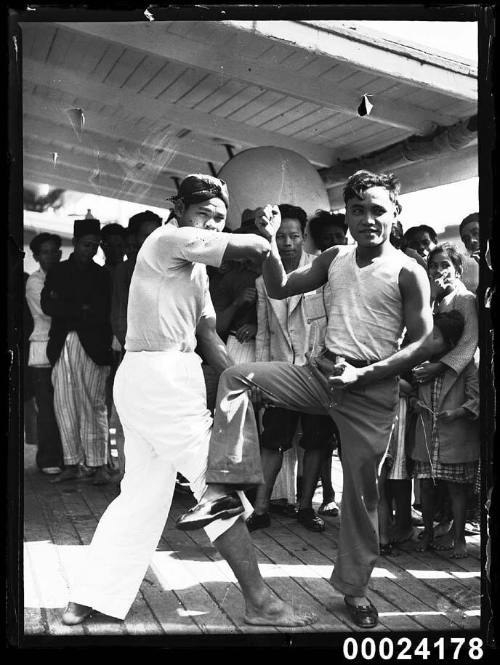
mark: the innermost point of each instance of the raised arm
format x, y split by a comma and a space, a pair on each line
279, 284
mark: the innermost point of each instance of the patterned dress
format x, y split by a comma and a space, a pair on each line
462, 472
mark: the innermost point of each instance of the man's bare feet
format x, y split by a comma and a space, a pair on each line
459, 551
274, 612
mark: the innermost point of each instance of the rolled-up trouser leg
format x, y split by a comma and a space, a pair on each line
234, 455
365, 418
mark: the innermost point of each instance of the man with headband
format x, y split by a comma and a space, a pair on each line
160, 396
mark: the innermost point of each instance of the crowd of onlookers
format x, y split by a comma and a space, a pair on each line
76, 318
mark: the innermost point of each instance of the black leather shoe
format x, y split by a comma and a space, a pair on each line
206, 512
255, 521
364, 616
308, 518
75, 614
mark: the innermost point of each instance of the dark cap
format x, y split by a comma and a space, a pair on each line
199, 186
85, 227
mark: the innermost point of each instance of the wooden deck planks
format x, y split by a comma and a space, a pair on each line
190, 589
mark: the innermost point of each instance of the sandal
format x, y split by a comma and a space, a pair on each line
308, 518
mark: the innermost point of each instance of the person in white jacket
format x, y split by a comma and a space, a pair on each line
283, 333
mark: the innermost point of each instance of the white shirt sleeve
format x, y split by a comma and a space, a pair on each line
199, 245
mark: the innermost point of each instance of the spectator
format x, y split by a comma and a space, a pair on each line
421, 238
327, 229
283, 334
447, 434
46, 248
235, 303
76, 295
113, 245
449, 293
398, 241
469, 233
29, 406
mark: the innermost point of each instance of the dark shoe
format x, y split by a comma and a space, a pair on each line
206, 512
255, 521
75, 614
308, 518
364, 616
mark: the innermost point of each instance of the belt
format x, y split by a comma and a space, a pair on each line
329, 355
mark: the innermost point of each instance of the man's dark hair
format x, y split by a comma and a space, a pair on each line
425, 228
451, 252
451, 325
39, 239
135, 221
360, 181
421, 228
322, 218
473, 217
112, 230
293, 212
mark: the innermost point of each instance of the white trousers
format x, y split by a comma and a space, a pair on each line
161, 402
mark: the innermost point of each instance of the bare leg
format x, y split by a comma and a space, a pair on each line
262, 608
271, 465
313, 460
458, 495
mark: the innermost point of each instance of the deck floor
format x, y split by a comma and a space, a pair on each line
190, 590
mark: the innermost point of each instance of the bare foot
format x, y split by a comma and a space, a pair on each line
425, 542
459, 551
274, 612
442, 528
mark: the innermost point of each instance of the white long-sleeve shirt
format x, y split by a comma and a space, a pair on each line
40, 335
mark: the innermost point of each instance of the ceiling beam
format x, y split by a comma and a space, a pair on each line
215, 59
69, 80
384, 56
44, 115
40, 175
129, 187
144, 166
441, 170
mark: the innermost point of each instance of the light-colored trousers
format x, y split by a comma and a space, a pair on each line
364, 416
161, 402
80, 404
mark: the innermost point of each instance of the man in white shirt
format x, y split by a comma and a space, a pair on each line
46, 248
160, 396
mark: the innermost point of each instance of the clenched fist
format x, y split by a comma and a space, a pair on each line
268, 220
